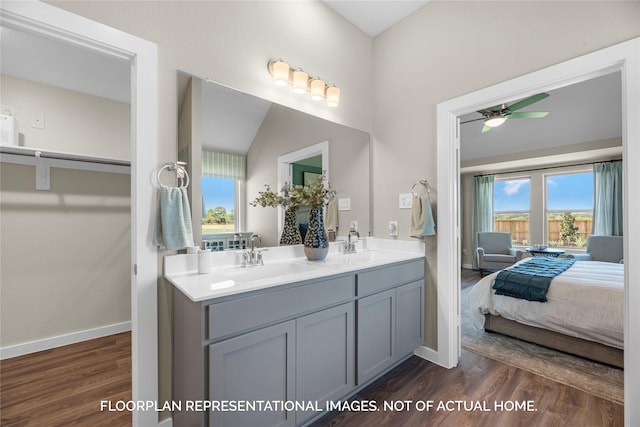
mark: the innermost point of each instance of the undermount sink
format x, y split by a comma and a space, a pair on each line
260, 272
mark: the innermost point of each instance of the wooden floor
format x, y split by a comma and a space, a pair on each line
64, 386
482, 383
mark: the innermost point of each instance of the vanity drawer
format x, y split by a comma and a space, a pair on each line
230, 317
389, 277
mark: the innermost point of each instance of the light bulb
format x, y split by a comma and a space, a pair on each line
495, 121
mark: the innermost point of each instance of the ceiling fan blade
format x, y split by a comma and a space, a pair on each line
528, 115
486, 128
528, 101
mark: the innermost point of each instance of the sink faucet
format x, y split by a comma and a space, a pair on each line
349, 246
254, 255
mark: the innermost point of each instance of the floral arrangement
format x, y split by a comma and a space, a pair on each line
290, 197
314, 195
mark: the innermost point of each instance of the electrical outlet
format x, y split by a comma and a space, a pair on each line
37, 121
353, 225
393, 228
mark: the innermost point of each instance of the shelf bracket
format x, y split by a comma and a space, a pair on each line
43, 173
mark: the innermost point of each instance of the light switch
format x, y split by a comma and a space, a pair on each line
405, 201
344, 204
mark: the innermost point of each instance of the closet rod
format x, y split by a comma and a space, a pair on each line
31, 152
548, 167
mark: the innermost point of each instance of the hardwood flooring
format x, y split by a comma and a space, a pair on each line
64, 386
482, 383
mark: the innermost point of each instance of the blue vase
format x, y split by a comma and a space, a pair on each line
316, 244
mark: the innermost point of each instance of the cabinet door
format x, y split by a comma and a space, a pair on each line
324, 357
409, 317
258, 366
376, 334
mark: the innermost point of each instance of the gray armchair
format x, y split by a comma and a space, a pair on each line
495, 251
602, 248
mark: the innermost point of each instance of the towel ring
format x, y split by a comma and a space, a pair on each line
424, 183
181, 172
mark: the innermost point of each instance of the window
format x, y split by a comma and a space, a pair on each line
218, 205
569, 209
512, 208
222, 175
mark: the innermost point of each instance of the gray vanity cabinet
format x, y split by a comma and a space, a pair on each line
390, 319
324, 357
257, 366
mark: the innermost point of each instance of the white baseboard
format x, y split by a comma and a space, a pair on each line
469, 266
167, 422
59, 341
430, 355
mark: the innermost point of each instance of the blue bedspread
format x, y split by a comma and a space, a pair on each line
530, 279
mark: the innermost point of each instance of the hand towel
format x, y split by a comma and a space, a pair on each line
422, 223
429, 224
331, 221
173, 220
417, 217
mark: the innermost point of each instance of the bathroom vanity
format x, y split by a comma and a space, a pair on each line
271, 345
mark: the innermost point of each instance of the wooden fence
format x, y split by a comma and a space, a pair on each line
519, 229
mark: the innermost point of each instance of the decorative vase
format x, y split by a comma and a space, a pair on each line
316, 244
290, 231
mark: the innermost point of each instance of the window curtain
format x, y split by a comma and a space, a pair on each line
607, 199
223, 165
482, 210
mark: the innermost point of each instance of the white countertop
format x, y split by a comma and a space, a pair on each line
282, 265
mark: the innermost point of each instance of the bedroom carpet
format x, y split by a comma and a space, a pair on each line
595, 378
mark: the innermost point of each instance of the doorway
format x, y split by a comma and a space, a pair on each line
56, 24
624, 57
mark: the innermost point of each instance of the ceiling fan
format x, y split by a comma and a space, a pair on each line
497, 115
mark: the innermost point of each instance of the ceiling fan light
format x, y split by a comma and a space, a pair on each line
494, 121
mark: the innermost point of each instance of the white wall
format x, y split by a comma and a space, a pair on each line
438, 53
65, 252
74, 122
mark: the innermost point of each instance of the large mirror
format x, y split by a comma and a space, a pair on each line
250, 136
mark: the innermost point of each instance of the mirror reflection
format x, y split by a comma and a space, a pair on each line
236, 143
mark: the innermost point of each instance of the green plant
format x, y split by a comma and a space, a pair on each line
290, 197
568, 232
314, 195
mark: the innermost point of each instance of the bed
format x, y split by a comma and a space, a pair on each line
583, 315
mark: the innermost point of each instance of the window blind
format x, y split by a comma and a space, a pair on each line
223, 165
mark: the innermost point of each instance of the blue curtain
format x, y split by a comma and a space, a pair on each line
482, 210
607, 199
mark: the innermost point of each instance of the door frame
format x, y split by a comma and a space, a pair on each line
54, 23
624, 57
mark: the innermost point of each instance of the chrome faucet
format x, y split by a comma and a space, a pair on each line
349, 246
254, 255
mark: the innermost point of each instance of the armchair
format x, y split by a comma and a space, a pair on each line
602, 248
495, 251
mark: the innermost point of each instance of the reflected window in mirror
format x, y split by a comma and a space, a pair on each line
223, 175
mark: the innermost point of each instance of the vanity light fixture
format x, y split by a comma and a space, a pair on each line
333, 96
494, 120
280, 72
316, 87
300, 79
283, 75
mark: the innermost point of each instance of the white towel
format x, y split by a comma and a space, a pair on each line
173, 220
331, 221
422, 223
